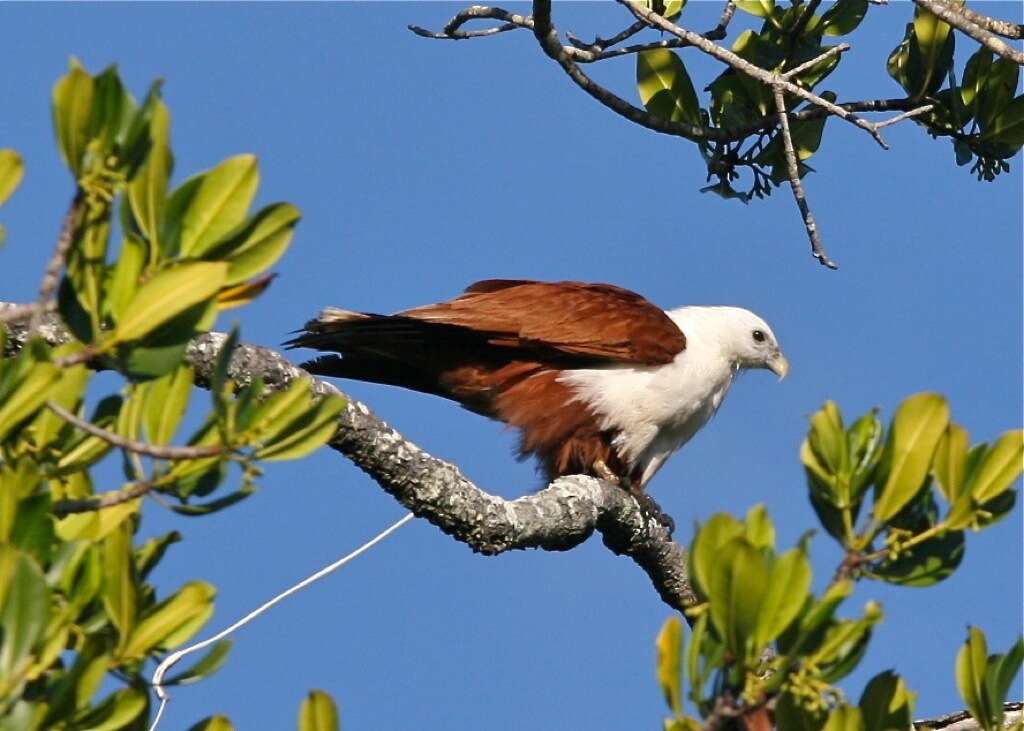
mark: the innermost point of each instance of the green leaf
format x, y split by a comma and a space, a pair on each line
72, 110
975, 75
788, 585
932, 44
843, 17
759, 529
760, 8
827, 438
115, 712
669, 647
219, 205
147, 192
886, 703
1001, 671
165, 404
694, 652
213, 723
719, 528
925, 564
1000, 467
242, 294
306, 433
821, 611
162, 351
970, 678
24, 613
124, 280
173, 620
27, 397
739, 581
1008, 126
210, 663
119, 597
170, 293
999, 89
260, 243
11, 171
844, 644
149, 554
950, 462
318, 713
665, 87
844, 718
917, 426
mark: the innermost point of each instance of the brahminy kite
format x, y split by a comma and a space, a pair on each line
598, 380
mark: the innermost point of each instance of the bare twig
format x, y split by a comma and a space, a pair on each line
793, 169
745, 67
834, 51
719, 31
136, 447
906, 115
958, 20
1004, 28
601, 44
63, 508
452, 30
56, 263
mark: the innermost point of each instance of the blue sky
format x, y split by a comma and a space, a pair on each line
421, 166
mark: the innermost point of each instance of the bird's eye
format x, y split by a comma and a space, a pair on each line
758, 336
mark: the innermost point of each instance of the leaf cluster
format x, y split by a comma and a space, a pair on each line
763, 643
77, 608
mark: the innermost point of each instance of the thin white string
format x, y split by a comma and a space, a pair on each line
174, 657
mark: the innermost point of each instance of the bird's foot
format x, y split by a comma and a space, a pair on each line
602, 471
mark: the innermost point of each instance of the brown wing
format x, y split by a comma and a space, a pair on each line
599, 321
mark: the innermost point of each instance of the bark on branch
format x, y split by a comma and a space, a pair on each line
559, 517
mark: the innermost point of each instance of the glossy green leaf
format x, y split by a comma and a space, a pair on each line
72, 110
160, 352
165, 404
788, 585
278, 410
886, 703
822, 610
242, 294
115, 712
970, 678
149, 554
219, 205
119, 590
124, 280
917, 426
999, 89
213, 723
669, 646
173, 620
112, 108
210, 663
975, 76
844, 718
24, 613
318, 712
844, 644
760, 8
925, 564
698, 636
1000, 467
843, 17
950, 462
307, 432
706, 543
933, 45
758, 528
259, 243
1008, 126
11, 171
28, 396
147, 192
739, 582
665, 87
1001, 671
170, 293
96, 525
792, 715
827, 438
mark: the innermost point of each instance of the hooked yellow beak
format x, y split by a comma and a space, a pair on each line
779, 365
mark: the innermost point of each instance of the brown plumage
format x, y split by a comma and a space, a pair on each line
499, 350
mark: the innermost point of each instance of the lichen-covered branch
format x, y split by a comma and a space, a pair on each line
961, 22
557, 518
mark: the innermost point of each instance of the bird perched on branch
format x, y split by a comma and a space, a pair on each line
598, 380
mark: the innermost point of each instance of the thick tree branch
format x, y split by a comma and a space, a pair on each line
1004, 28
962, 721
559, 517
961, 22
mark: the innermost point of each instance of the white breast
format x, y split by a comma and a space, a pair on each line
656, 409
